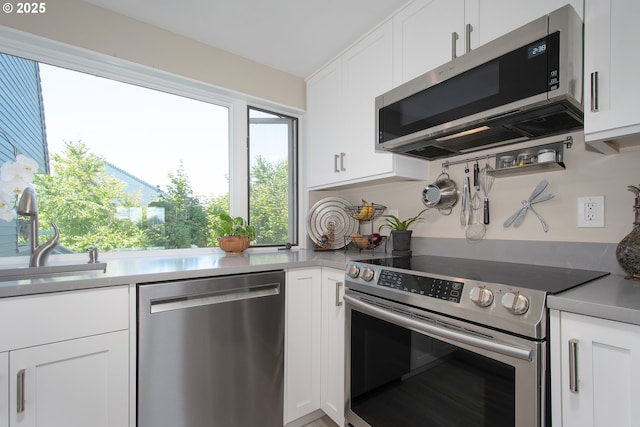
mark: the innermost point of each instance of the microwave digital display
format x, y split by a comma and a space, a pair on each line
537, 49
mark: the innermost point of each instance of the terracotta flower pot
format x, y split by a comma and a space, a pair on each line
233, 245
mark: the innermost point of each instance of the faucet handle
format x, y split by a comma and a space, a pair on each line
93, 255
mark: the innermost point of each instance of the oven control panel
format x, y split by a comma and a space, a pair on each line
447, 290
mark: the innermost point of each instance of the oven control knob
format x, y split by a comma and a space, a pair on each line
481, 296
367, 274
353, 271
515, 302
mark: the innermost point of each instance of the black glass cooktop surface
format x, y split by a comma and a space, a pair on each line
550, 279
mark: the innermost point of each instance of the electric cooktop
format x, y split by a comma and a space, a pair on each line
544, 278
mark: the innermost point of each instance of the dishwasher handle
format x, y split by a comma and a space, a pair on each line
216, 297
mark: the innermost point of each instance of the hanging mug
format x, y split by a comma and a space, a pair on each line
442, 195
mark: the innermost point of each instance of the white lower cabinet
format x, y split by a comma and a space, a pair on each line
64, 359
332, 382
302, 343
75, 383
595, 371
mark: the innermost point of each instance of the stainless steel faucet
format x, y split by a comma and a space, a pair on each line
28, 207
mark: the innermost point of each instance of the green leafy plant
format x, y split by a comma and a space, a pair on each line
394, 223
230, 226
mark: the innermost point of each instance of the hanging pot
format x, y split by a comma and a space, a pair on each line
442, 194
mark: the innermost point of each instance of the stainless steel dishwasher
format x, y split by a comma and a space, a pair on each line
211, 352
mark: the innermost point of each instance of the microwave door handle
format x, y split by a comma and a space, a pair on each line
454, 38
439, 331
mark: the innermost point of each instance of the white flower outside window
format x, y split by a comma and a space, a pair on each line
14, 178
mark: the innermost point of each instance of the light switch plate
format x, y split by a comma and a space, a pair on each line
591, 211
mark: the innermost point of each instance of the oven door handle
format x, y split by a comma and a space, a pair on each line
460, 337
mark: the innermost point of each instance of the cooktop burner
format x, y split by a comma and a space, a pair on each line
552, 280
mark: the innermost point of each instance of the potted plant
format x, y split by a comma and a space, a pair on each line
400, 233
234, 234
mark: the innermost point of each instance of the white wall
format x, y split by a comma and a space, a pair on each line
587, 174
80, 24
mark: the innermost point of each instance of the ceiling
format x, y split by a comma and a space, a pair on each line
296, 36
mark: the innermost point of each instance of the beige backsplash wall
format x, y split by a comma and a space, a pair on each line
587, 174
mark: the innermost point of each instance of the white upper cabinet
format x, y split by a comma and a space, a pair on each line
340, 136
429, 33
611, 61
423, 37
494, 18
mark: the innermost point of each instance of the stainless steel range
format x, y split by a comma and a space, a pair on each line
436, 341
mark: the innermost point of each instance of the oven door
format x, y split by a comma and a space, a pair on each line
409, 367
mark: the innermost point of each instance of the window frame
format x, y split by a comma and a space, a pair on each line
59, 54
293, 179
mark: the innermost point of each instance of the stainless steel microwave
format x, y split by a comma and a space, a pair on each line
526, 84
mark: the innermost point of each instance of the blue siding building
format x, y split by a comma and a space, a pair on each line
22, 127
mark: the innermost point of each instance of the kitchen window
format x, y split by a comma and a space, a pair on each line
272, 176
215, 184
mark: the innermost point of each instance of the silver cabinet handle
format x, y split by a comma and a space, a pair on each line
594, 92
454, 38
338, 301
335, 163
20, 392
342, 169
573, 365
468, 29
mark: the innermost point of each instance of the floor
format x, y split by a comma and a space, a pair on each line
322, 422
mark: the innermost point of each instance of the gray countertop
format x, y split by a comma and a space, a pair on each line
611, 297
144, 269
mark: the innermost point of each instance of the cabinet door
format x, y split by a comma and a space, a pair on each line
368, 72
488, 16
423, 36
302, 343
324, 124
76, 383
4, 389
332, 385
611, 52
608, 372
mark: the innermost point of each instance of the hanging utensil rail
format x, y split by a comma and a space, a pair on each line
568, 142
446, 164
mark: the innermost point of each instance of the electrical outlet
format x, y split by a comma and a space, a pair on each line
591, 211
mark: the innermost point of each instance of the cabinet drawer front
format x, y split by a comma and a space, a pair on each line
38, 319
